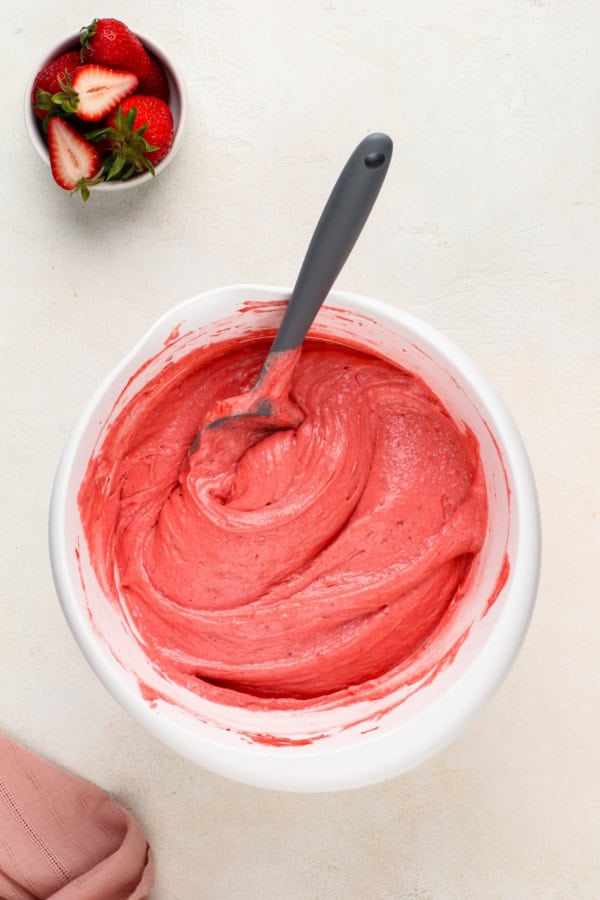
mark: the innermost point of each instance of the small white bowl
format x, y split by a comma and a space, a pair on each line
324, 747
177, 105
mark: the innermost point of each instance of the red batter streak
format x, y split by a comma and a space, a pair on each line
281, 565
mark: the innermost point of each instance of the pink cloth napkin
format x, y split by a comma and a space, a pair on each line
64, 838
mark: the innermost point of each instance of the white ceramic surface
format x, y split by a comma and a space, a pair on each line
177, 105
362, 743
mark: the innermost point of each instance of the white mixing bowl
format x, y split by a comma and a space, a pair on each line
322, 747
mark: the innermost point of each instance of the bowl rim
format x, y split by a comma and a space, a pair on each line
32, 127
380, 754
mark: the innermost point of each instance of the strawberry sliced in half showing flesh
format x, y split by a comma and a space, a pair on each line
74, 161
96, 90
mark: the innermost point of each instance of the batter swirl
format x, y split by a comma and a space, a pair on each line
286, 563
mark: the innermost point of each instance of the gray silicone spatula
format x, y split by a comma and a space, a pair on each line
341, 222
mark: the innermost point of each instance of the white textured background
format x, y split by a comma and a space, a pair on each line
488, 227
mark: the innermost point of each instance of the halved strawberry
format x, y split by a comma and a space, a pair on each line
74, 161
94, 91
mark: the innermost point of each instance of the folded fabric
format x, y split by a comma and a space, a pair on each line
64, 838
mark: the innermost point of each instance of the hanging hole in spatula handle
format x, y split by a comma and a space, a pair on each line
374, 160
341, 222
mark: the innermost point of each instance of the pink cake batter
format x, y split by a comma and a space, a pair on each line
292, 563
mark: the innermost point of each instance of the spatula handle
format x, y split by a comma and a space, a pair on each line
341, 222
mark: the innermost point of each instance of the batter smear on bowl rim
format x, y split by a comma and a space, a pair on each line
294, 562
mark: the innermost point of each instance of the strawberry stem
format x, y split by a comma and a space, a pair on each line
87, 33
45, 101
129, 147
67, 98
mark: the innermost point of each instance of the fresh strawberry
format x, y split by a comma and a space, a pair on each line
155, 83
154, 116
109, 42
46, 80
140, 133
74, 161
94, 91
